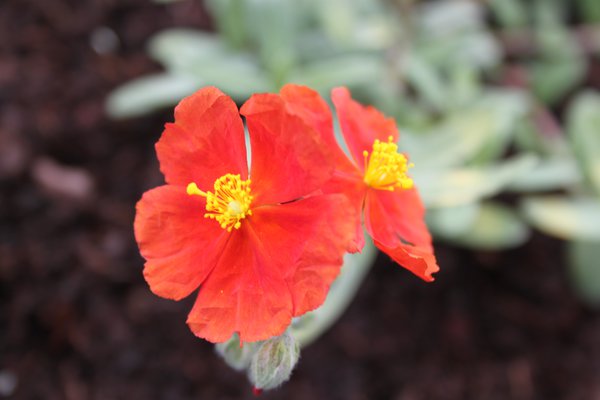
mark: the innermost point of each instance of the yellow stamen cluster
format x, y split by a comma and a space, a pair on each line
230, 202
386, 169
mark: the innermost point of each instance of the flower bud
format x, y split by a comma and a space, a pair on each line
236, 355
273, 362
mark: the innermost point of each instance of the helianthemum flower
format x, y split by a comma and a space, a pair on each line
375, 178
262, 245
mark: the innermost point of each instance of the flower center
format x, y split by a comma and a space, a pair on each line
386, 169
230, 202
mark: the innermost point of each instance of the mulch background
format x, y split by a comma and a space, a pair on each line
77, 320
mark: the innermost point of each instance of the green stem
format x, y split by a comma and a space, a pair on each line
312, 325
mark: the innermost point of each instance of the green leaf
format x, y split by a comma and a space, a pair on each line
447, 188
143, 95
584, 270
549, 13
563, 217
589, 10
552, 79
494, 227
583, 126
550, 174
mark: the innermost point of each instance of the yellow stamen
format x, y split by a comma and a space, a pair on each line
386, 169
230, 202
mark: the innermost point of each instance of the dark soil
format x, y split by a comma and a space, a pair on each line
77, 320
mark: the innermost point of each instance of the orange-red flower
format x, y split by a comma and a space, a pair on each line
374, 178
262, 244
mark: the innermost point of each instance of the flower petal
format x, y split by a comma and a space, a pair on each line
289, 159
278, 265
395, 221
355, 190
323, 256
361, 125
418, 260
244, 294
347, 178
205, 142
310, 106
395, 218
180, 246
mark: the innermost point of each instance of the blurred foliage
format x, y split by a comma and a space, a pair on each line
490, 98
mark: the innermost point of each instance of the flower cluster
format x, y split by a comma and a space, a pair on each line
264, 241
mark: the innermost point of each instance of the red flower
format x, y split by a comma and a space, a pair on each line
375, 179
263, 246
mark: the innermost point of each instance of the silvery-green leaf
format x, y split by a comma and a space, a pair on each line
274, 26
453, 187
584, 270
351, 70
179, 48
480, 49
239, 77
540, 132
477, 133
477, 49
494, 227
337, 18
583, 126
357, 24
453, 32
206, 57
465, 85
446, 17
561, 65
229, 16
449, 222
506, 108
510, 13
427, 81
143, 95
442, 147
550, 174
564, 217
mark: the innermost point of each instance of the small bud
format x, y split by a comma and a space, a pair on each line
237, 356
273, 362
